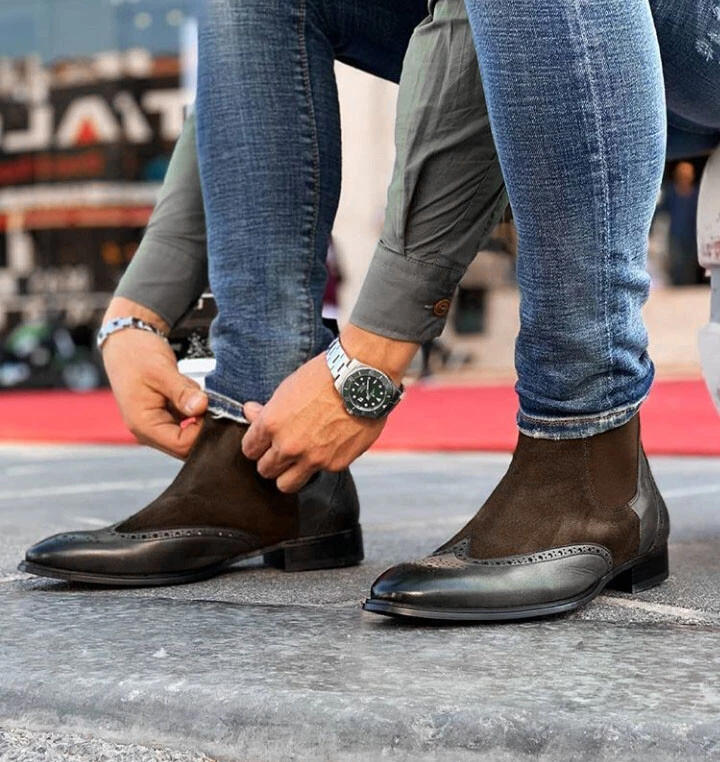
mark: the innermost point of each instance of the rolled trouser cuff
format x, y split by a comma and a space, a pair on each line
577, 427
220, 406
405, 298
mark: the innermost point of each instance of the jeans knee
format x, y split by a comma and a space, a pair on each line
255, 18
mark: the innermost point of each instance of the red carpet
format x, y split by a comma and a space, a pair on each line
678, 419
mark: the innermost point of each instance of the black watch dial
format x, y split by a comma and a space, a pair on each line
368, 393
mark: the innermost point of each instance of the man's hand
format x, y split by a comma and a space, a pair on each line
153, 396
305, 427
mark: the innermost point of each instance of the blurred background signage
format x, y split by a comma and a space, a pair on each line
93, 94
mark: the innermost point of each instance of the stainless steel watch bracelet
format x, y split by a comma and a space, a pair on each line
340, 366
120, 324
338, 362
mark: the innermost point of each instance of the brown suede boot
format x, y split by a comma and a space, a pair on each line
218, 510
569, 518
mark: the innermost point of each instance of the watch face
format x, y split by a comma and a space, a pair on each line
368, 393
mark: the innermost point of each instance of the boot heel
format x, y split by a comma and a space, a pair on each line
327, 552
645, 574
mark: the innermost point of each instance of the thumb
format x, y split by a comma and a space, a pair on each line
257, 439
186, 395
252, 411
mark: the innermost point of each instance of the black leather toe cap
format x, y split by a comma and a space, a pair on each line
108, 552
455, 583
63, 551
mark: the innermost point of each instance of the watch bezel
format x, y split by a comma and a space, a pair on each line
383, 408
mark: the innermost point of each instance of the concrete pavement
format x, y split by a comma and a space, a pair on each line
261, 665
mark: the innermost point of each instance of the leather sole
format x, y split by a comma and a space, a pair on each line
633, 577
330, 551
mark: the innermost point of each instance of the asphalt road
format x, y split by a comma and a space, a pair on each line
261, 665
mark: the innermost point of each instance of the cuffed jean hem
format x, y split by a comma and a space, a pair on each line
221, 406
577, 427
405, 298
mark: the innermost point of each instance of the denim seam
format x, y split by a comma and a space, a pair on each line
595, 113
580, 430
223, 398
229, 415
563, 421
309, 335
225, 407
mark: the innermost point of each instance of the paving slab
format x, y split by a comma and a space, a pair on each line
23, 746
262, 665
273, 681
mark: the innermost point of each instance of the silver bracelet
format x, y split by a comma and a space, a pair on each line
120, 324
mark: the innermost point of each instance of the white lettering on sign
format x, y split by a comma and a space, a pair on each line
100, 118
87, 120
134, 122
91, 120
38, 134
170, 104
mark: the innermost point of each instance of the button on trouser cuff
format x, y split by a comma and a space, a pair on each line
403, 298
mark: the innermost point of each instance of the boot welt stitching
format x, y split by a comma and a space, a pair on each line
461, 552
183, 532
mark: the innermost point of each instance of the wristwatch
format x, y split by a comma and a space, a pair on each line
120, 324
366, 391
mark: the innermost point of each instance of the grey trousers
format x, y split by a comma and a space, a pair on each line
447, 191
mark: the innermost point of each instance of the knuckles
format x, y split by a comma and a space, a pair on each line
266, 471
268, 424
290, 450
316, 462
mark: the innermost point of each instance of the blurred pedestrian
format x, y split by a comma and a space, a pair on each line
680, 201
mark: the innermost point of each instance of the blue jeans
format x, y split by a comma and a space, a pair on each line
577, 104
269, 151
689, 36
